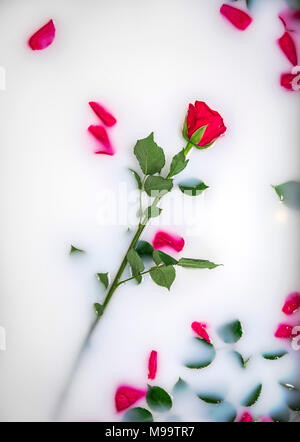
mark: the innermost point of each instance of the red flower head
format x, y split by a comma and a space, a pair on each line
42, 38
126, 396
200, 115
152, 365
292, 303
240, 19
200, 329
164, 239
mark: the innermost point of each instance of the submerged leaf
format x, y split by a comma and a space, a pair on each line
74, 249
289, 194
98, 309
103, 278
208, 354
155, 185
252, 397
231, 332
138, 414
272, 356
137, 178
243, 362
192, 188
158, 399
211, 398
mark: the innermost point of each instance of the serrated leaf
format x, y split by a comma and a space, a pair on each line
289, 194
211, 398
155, 185
272, 356
103, 278
192, 188
150, 156
144, 248
98, 309
197, 136
152, 212
138, 414
197, 263
74, 249
137, 178
178, 164
252, 397
208, 354
162, 258
243, 362
136, 264
163, 276
231, 332
158, 399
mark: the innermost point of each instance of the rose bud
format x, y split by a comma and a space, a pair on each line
202, 125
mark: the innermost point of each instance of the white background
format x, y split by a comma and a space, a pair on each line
144, 60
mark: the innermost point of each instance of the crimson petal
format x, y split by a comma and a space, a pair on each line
164, 239
126, 396
42, 38
101, 135
240, 19
288, 47
107, 118
152, 365
200, 329
292, 303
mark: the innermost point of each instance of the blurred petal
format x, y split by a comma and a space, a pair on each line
200, 329
284, 331
107, 118
101, 135
292, 303
152, 365
164, 239
288, 47
126, 396
240, 19
43, 37
246, 417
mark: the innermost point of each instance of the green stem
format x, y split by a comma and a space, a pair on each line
188, 147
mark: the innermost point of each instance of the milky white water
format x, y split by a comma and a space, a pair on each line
145, 61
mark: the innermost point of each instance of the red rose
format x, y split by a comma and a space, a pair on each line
200, 115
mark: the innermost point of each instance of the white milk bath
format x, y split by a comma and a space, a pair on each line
146, 61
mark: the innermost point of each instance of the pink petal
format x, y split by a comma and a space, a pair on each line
43, 37
246, 417
107, 118
290, 19
164, 239
288, 47
265, 419
292, 303
100, 134
152, 365
240, 19
126, 396
284, 331
200, 329
287, 79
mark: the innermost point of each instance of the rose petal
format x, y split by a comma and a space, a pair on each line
284, 331
290, 19
107, 118
164, 239
287, 80
292, 303
152, 365
246, 417
200, 329
265, 419
200, 115
126, 396
42, 38
240, 19
288, 47
101, 135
